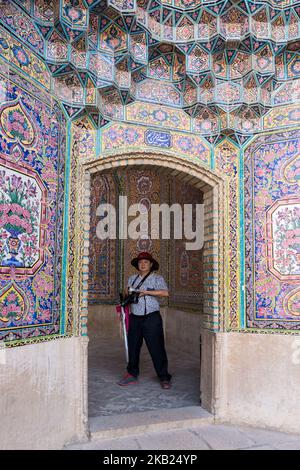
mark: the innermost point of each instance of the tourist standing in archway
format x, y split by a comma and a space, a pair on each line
145, 320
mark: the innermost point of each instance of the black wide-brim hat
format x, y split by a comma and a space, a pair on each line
145, 255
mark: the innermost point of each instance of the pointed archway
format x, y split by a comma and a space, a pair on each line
214, 191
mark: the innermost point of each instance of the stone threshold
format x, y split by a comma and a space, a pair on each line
124, 425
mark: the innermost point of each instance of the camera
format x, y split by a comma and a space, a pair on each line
132, 298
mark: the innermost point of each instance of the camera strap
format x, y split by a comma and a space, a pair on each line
141, 282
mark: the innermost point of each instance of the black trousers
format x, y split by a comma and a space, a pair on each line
150, 328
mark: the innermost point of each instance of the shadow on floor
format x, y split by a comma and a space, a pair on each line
107, 365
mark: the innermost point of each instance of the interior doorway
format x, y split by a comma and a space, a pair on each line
187, 323
109, 270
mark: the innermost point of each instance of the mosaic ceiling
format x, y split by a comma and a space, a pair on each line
225, 63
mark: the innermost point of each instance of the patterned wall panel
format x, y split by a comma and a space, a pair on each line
186, 266
227, 161
145, 187
285, 116
272, 217
191, 146
109, 258
22, 25
103, 268
84, 138
158, 116
16, 53
82, 145
31, 210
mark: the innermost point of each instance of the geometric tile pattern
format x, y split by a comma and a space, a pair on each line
225, 63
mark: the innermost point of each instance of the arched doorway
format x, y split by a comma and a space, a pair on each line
214, 193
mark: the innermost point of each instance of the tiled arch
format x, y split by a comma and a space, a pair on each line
212, 184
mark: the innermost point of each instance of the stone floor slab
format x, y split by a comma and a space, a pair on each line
180, 440
292, 445
264, 447
107, 365
148, 421
223, 437
128, 443
207, 437
266, 436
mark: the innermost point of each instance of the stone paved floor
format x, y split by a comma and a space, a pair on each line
107, 365
206, 437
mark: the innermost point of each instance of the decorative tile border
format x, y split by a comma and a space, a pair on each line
125, 136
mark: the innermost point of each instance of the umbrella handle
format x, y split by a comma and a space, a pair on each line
124, 333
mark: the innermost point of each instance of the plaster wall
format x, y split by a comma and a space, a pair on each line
103, 321
256, 379
183, 330
43, 394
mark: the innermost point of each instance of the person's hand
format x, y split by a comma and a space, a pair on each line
143, 292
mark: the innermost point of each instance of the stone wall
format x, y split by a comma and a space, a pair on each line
258, 380
43, 390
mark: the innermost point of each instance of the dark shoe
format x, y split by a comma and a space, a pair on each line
165, 384
127, 380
